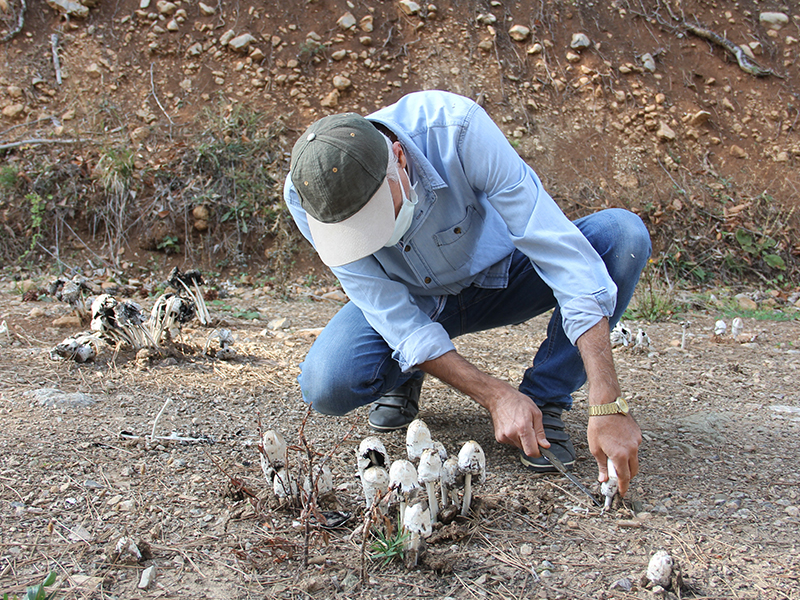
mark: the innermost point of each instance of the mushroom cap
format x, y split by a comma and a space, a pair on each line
451, 476
737, 325
284, 485
403, 476
439, 446
430, 466
418, 437
472, 460
323, 478
659, 569
368, 448
417, 519
720, 327
375, 479
274, 446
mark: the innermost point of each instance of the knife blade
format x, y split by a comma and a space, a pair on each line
563, 470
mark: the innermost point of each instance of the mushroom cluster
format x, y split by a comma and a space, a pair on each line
72, 291
274, 458
120, 322
188, 286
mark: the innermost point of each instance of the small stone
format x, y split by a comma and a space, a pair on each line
336, 296
367, 24
346, 22
331, 100
14, 91
623, 584
279, 323
773, 20
699, 118
166, 8
743, 300
241, 43
257, 54
738, 151
573, 57
341, 83
172, 25
535, 48
580, 41
226, 37
665, 133
93, 70
140, 134
486, 19
207, 10
365, 40
195, 49
792, 511
67, 322
486, 45
519, 33
71, 9
147, 578
648, 62
525, 550
12, 111
409, 7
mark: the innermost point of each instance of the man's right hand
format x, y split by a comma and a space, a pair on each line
516, 418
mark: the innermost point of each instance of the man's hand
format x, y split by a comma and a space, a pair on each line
616, 437
516, 418
610, 436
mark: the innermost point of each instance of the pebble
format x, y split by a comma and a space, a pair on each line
525, 550
648, 62
409, 7
773, 20
792, 511
580, 41
519, 33
623, 584
665, 133
148, 577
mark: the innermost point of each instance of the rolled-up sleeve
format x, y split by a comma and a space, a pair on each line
560, 253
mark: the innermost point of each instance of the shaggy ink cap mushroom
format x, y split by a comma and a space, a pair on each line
374, 482
610, 488
418, 438
403, 480
272, 453
371, 453
430, 473
451, 480
417, 521
472, 463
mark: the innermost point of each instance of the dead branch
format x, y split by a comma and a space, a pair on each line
20, 23
56, 62
36, 142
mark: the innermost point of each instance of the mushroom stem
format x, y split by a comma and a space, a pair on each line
403, 511
413, 548
444, 493
432, 500
467, 494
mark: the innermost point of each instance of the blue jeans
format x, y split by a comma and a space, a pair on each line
350, 365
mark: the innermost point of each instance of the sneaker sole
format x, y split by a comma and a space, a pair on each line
536, 467
382, 428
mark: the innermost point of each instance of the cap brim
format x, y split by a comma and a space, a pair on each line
358, 236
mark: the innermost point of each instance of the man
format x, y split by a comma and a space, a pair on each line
435, 227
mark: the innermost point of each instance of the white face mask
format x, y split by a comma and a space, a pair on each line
404, 216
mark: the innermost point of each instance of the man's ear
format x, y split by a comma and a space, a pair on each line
397, 148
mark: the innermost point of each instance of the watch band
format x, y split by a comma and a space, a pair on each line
619, 406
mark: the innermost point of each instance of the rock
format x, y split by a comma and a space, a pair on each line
365, 40
71, 9
14, 91
486, 45
207, 10
698, 118
279, 323
195, 49
792, 511
52, 397
36, 312
341, 83
486, 19
339, 55
573, 57
665, 133
738, 151
172, 25
140, 134
166, 8
623, 584
580, 41
336, 296
525, 550
12, 111
771, 20
331, 100
743, 300
226, 37
519, 33
648, 62
535, 48
241, 43
67, 322
410, 7
346, 22
367, 24
147, 578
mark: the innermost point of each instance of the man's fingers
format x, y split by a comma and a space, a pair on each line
602, 467
623, 475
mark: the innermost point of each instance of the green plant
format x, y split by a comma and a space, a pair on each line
760, 248
390, 545
37, 592
170, 244
8, 178
309, 49
653, 300
37, 210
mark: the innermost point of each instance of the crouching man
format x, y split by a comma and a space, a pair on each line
435, 227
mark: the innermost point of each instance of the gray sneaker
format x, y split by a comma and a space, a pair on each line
397, 408
559, 440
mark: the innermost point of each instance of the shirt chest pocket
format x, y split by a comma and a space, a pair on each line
458, 243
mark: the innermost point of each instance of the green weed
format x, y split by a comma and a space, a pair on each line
37, 592
389, 546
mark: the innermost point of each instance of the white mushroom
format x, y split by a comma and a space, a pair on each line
371, 453
720, 327
620, 335
439, 447
284, 485
642, 341
417, 521
471, 462
430, 473
403, 480
736, 327
418, 437
452, 479
374, 481
323, 481
81, 348
272, 453
684, 327
190, 283
659, 569
610, 488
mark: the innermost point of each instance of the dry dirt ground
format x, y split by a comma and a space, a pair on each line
718, 486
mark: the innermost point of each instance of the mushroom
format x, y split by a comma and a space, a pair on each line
190, 283
284, 485
272, 451
451, 479
659, 569
403, 480
80, 348
642, 341
417, 521
736, 327
375, 482
322, 481
429, 474
471, 462
169, 311
226, 339
418, 437
371, 453
130, 318
620, 335
684, 327
719, 328
609, 488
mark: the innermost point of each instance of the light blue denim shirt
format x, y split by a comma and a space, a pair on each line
478, 200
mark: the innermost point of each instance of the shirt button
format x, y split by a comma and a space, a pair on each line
457, 230
427, 280
407, 248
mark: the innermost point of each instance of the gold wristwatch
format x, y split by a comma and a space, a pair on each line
612, 408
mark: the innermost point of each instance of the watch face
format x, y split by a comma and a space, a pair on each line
623, 405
